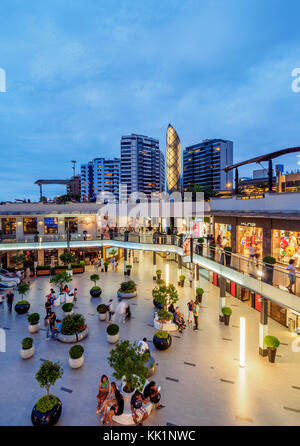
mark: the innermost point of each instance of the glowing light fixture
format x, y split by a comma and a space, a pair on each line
242, 342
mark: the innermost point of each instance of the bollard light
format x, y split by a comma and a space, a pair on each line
242, 342
167, 274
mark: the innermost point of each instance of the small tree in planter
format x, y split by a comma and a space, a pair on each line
268, 269
158, 274
34, 324
105, 266
27, 350
22, 306
227, 312
112, 333
199, 294
272, 343
47, 410
68, 308
96, 290
127, 289
164, 316
18, 260
76, 358
129, 363
162, 340
102, 311
181, 280
227, 251
128, 269
60, 280
67, 258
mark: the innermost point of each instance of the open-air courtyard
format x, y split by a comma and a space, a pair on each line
199, 375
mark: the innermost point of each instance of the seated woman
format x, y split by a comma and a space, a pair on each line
116, 409
109, 401
151, 392
179, 321
104, 389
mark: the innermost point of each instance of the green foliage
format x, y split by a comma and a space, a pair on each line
27, 343
105, 263
226, 311
201, 240
23, 288
112, 329
158, 272
60, 280
67, 258
128, 266
160, 282
76, 351
48, 374
18, 259
271, 341
102, 308
199, 291
164, 315
22, 302
67, 307
72, 323
270, 260
128, 287
43, 268
127, 360
228, 249
94, 278
182, 278
96, 288
162, 334
45, 404
165, 294
33, 318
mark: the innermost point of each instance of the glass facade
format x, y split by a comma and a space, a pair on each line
51, 225
29, 225
173, 152
9, 226
286, 246
72, 224
247, 236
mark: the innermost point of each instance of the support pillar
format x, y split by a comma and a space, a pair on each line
154, 265
222, 300
125, 260
263, 326
179, 266
236, 189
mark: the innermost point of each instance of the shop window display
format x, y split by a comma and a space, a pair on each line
224, 231
250, 236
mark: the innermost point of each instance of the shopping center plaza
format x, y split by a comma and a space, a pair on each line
217, 375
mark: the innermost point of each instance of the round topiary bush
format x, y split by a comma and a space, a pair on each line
76, 351
226, 311
73, 323
67, 307
33, 318
27, 343
112, 329
270, 260
271, 342
45, 404
102, 308
162, 334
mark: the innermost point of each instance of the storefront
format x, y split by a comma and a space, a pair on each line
51, 225
248, 234
286, 246
9, 226
201, 227
223, 231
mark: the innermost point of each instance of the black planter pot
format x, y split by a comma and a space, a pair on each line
126, 237
199, 298
95, 293
22, 309
162, 344
158, 276
226, 318
272, 354
128, 272
268, 272
200, 250
105, 268
227, 259
46, 419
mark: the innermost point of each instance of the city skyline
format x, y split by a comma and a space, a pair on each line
78, 76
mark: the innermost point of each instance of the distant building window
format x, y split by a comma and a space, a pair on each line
51, 225
72, 223
9, 226
29, 225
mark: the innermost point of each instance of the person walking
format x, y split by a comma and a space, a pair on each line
190, 306
9, 300
196, 315
111, 311
56, 330
52, 319
48, 305
292, 275
47, 325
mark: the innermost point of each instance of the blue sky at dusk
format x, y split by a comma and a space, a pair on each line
80, 74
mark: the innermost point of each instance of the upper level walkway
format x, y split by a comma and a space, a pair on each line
262, 279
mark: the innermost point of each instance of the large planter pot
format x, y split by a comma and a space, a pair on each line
76, 363
268, 272
272, 354
128, 272
162, 344
105, 268
28, 353
78, 270
43, 272
112, 339
69, 299
127, 295
181, 283
226, 318
199, 298
227, 259
46, 419
103, 316
34, 328
95, 293
166, 326
71, 339
62, 298
22, 309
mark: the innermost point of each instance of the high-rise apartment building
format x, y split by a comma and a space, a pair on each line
203, 164
142, 165
173, 154
99, 176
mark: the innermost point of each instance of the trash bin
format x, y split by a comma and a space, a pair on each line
292, 325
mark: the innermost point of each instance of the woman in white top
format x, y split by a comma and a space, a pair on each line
292, 275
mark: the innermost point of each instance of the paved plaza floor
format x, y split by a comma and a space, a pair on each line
200, 377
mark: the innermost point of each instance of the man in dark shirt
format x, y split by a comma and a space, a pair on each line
137, 408
9, 300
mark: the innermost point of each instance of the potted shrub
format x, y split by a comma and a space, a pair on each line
43, 270
67, 258
105, 266
199, 295
73, 328
102, 310
227, 252
76, 357
18, 260
227, 312
59, 281
163, 296
162, 340
34, 324
268, 269
47, 409
23, 305
164, 316
200, 246
112, 333
158, 274
127, 290
27, 350
272, 343
96, 290
68, 308
212, 249
128, 269
181, 280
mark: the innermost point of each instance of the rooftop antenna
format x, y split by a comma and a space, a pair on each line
73, 167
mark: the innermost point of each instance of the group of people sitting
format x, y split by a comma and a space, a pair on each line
178, 318
111, 401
